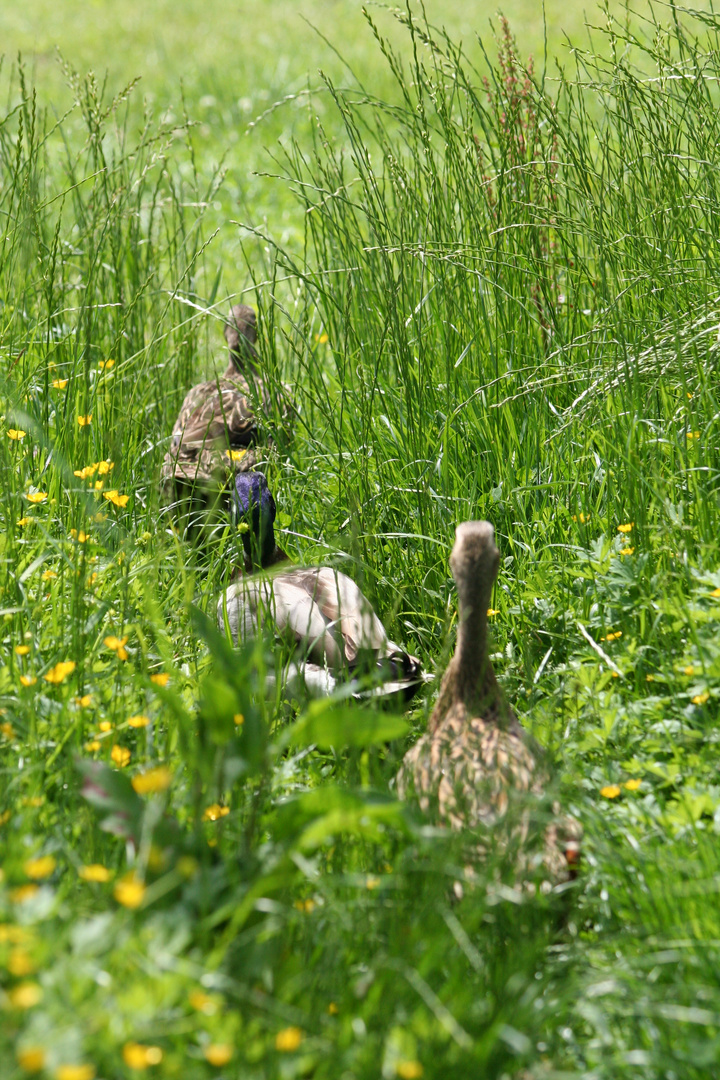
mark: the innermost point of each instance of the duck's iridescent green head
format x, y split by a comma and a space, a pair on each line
255, 506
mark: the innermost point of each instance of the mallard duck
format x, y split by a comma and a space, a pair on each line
216, 428
318, 611
475, 753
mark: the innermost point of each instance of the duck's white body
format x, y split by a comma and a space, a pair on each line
325, 618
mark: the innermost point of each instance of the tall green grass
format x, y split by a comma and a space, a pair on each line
506, 306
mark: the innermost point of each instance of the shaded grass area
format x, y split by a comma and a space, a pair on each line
506, 308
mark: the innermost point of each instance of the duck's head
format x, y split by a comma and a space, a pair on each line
241, 335
255, 507
474, 562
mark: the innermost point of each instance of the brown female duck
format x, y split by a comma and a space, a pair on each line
217, 427
475, 753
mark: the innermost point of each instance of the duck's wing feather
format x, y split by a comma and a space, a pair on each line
467, 767
217, 410
345, 608
212, 435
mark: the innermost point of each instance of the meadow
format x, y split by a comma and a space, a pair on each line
495, 292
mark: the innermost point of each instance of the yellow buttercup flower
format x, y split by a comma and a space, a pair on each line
75, 1072
161, 679
31, 1058
288, 1039
689, 670
129, 891
627, 550
15, 935
700, 699
28, 680
137, 1056
632, 785
20, 963
152, 781
409, 1070
104, 467
23, 893
305, 905
8, 731
22, 650
218, 1054
81, 537
625, 528
41, 867
86, 472
25, 995
138, 721
610, 791
116, 498
215, 812
612, 636
94, 872
24, 521
60, 672
59, 384
93, 746
48, 575
85, 421
715, 592
492, 611
36, 496
236, 455
322, 339
372, 882
105, 725
117, 645
238, 719
204, 1003
15, 434
120, 755
84, 702
105, 365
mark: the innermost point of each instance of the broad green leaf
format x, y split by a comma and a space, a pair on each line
344, 725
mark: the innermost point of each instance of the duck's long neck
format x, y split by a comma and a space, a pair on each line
244, 363
252, 566
473, 670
